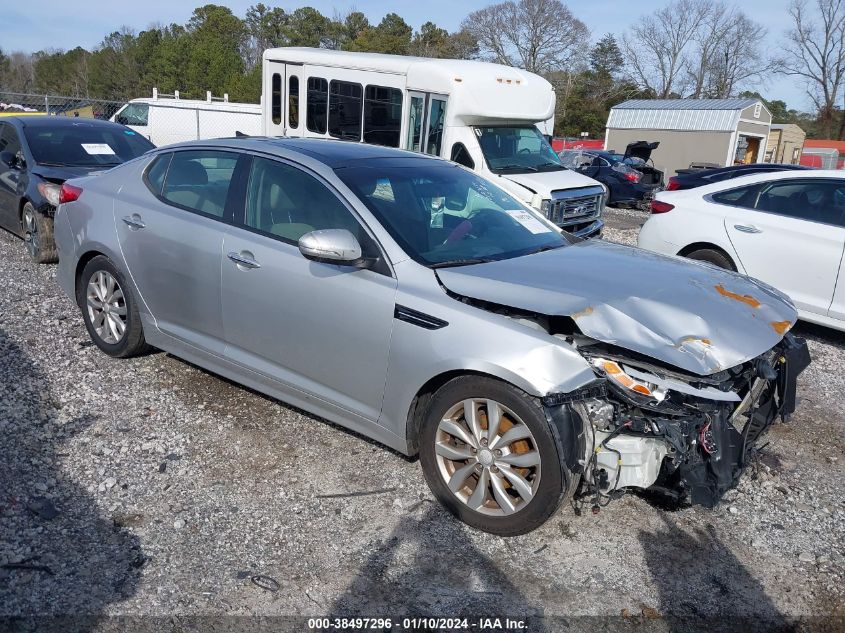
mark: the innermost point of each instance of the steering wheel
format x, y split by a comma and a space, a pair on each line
524, 150
475, 226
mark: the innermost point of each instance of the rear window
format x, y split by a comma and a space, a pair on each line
84, 145
199, 180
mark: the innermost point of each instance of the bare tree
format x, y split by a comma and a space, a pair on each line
737, 59
541, 36
815, 52
656, 46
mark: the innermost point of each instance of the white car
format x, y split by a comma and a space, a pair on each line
787, 229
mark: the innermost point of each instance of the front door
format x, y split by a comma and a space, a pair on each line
283, 84
171, 238
793, 239
320, 328
426, 123
10, 180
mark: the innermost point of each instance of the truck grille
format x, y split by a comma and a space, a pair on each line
575, 205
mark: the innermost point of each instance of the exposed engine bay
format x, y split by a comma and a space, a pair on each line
688, 437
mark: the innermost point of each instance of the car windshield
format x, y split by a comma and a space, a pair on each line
517, 149
443, 215
83, 144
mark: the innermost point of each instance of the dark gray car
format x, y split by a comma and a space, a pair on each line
415, 302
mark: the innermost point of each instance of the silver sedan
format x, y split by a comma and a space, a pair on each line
414, 302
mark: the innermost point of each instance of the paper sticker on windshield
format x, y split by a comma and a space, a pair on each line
529, 222
95, 149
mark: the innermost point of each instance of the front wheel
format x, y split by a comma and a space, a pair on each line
489, 456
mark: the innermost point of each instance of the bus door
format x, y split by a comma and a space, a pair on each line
426, 119
283, 82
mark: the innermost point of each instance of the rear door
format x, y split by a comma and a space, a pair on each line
793, 238
283, 82
170, 232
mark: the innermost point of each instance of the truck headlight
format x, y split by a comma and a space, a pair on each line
546, 207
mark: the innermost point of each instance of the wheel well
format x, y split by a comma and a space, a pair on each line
80, 265
422, 399
686, 250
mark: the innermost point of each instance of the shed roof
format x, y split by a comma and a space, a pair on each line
685, 104
720, 115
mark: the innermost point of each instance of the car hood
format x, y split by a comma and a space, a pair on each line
544, 182
688, 314
66, 172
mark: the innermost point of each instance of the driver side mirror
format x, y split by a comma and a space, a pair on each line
333, 246
9, 159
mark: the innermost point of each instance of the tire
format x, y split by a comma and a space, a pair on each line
712, 256
118, 303
447, 459
37, 231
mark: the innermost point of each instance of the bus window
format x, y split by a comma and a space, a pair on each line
277, 99
382, 115
415, 124
345, 110
460, 155
293, 101
437, 116
316, 110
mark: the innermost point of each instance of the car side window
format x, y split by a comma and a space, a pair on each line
286, 202
740, 197
814, 200
156, 171
9, 141
199, 180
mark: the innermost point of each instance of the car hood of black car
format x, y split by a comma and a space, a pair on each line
688, 314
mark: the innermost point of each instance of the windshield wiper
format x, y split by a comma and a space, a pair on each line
513, 166
460, 262
550, 164
543, 249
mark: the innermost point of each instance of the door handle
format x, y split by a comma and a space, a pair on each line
241, 260
747, 229
134, 222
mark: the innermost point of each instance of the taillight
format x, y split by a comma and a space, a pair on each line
631, 176
673, 184
661, 207
69, 193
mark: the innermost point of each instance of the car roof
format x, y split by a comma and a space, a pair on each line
746, 167
735, 183
333, 153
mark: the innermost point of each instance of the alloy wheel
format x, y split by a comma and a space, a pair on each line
106, 307
488, 457
30, 232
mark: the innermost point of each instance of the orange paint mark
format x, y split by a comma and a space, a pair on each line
746, 299
582, 313
781, 326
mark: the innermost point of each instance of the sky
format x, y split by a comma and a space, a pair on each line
40, 24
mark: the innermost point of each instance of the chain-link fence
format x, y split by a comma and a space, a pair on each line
163, 119
19, 103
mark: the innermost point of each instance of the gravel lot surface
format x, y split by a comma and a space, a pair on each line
151, 487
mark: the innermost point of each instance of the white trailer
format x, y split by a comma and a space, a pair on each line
166, 119
484, 116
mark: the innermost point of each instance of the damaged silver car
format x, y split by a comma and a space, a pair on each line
415, 302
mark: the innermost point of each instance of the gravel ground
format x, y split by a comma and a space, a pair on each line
150, 487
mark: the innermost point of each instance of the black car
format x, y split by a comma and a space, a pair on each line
691, 178
629, 177
37, 155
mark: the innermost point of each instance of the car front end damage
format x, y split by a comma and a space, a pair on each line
644, 425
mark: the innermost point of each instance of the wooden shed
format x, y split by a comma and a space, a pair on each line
786, 141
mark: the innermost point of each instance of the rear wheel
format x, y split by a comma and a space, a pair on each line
38, 235
712, 256
109, 310
489, 456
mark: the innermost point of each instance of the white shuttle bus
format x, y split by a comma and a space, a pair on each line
166, 119
481, 115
